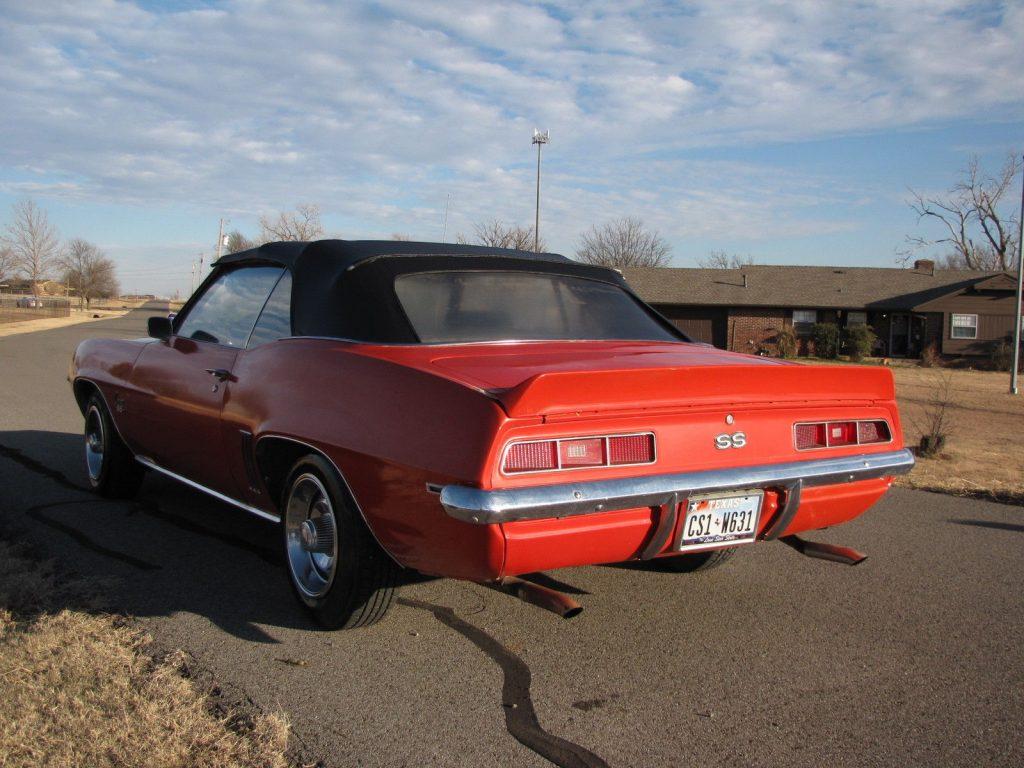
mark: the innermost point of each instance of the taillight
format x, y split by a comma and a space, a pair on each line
631, 449
532, 457
588, 452
837, 434
810, 436
579, 452
840, 433
873, 432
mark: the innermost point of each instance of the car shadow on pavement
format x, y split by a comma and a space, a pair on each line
170, 550
991, 524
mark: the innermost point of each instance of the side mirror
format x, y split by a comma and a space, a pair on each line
159, 327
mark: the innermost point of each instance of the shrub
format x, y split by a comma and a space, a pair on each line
826, 340
1001, 354
786, 342
930, 357
860, 340
935, 423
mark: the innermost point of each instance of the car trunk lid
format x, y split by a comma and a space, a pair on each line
551, 378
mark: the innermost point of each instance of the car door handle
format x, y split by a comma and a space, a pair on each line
221, 374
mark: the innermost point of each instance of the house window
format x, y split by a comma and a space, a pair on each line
964, 327
856, 318
804, 320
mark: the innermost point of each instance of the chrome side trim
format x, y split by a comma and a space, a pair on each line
150, 464
473, 505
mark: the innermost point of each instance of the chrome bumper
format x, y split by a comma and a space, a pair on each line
473, 505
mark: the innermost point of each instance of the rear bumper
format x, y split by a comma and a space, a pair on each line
473, 505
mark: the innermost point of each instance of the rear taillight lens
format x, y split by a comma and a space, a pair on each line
810, 436
837, 434
532, 457
873, 432
588, 452
631, 449
579, 452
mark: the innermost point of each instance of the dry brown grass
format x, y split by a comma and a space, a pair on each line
79, 688
983, 454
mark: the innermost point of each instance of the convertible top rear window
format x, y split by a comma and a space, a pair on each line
452, 307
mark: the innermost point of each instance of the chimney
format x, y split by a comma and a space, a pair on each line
744, 279
925, 265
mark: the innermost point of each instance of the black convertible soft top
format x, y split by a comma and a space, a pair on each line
345, 288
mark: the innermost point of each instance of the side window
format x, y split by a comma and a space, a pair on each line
276, 320
227, 310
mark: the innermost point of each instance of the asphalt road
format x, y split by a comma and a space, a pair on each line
912, 658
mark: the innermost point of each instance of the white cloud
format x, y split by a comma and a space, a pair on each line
378, 111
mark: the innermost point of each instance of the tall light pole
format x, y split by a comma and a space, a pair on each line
1020, 290
221, 240
540, 138
444, 226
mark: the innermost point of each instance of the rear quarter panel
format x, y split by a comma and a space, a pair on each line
391, 430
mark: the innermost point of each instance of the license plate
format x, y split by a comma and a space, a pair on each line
720, 519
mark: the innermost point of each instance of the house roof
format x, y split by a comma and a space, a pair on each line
764, 285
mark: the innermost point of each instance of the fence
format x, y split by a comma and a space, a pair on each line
14, 309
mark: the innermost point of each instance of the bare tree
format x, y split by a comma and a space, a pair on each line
87, 270
400, 237
7, 261
978, 227
498, 234
33, 241
625, 242
301, 224
723, 260
238, 242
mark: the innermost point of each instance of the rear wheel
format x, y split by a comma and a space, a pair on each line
112, 469
336, 567
697, 561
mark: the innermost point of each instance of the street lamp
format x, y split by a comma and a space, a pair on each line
540, 138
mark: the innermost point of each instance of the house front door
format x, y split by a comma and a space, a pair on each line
899, 335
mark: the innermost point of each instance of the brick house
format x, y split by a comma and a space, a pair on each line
962, 313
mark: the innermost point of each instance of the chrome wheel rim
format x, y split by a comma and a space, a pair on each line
311, 536
95, 442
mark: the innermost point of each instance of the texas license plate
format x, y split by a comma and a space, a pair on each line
720, 519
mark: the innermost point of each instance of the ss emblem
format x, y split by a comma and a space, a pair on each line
735, 440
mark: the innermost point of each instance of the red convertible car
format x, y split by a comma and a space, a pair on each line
477, 414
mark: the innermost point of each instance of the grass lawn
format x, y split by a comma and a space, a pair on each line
77, 687
984, 454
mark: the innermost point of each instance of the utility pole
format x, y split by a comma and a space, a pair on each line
220, 238
540, 138
1020, 290
193, 289
444, 227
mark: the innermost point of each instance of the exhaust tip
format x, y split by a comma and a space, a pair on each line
543, 597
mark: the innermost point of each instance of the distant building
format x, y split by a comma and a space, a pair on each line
962, 313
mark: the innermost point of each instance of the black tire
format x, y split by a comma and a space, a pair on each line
110, 466
361, 583
697, 561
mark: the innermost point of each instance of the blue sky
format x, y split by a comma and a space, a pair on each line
789, 132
